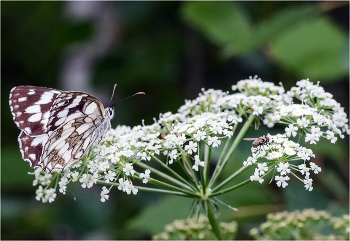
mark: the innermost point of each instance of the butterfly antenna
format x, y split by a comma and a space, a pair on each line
138, 93
112, 96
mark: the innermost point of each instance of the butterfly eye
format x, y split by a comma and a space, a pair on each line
109, 112
66, 102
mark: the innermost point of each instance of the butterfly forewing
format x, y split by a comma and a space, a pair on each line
30, 107
71, 105
58, 127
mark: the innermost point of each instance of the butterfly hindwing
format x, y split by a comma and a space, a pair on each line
70, 141
30, 107
31, 147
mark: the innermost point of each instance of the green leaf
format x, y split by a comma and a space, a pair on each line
337, 152
222, 22
155, 217
335, 185
297, 198
312, 49
267, 29
279, 22
14, 170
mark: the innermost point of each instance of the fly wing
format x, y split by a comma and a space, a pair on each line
250, 139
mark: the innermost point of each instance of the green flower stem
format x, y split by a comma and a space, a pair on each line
147, 189
161, 174
213, 222
172, 172
272, 167
189, 167
168, 186
234, 145
192, 211
218, 187
298, 177
230, 188
218, 163
56, 177
207, 155
200, 168
194, 184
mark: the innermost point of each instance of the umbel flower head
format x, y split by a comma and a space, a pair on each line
280, 154
196, 229
307, 224
186, 139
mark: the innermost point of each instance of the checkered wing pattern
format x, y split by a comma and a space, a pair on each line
30, 108
70, 105
70, 141
57, 127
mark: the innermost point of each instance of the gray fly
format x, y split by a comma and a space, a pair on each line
260, 141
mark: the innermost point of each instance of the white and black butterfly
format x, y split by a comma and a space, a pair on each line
57, 127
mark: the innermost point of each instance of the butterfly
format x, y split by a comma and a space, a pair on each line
57, 127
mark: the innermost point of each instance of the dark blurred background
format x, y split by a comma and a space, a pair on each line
170, 50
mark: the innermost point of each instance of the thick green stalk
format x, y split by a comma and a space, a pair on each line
234, 145
147, 189
161, 174
172, 172
213, 222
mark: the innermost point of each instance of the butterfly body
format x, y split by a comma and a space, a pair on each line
57, 127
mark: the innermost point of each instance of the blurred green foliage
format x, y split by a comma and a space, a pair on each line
195, 229
170, 50
307, 224
298, 37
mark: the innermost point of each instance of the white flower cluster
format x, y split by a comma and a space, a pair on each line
217, 101
113, 160
49, 180
208, 127
209, 118
281, 153
255, 86
127, 186
317, 116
